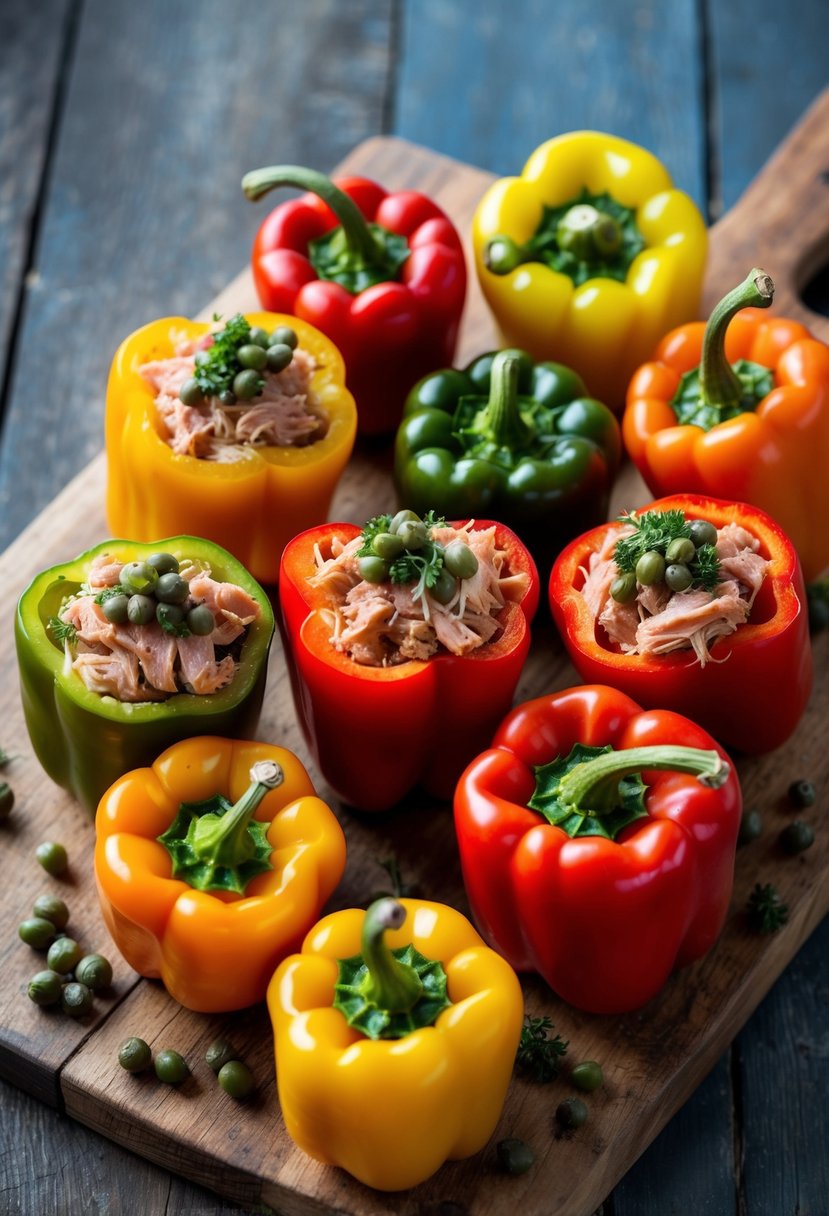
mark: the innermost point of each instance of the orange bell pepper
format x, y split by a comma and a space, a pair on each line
756, 432
207, 896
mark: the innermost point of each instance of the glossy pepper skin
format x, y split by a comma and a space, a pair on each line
604, 327
85, 741
390, 332
509, 438
604, 921
251, 507
774, 453
214, 951
754, 691
392, 1111
376, 732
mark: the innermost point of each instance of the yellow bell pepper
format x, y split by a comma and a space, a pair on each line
395, 1042
208, 896
590, 257
252, 507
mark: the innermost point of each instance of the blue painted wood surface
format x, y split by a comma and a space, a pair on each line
124, 130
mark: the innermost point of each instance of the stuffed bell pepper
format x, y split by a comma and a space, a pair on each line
236, 431
131, 647
212, 865
597, 843
383, 275
395, 1034
692, 604
590, 256
510, 439
739, 408
406, 641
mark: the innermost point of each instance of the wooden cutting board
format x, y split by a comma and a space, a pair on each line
652, 1059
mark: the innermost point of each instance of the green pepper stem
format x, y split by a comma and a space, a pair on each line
224, 840
720, 385
588, 233
358, 235
592, 787
502, 422
389, 984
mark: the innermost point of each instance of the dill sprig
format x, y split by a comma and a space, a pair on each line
62, 631
654, 532
766, 910
217, 366
538, 1055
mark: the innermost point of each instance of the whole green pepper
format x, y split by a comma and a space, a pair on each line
86, 741
513, 440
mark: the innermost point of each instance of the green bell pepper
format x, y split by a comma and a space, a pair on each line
513, 440
86, 741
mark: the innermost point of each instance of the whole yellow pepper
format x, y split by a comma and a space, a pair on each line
590, 257
391, 1060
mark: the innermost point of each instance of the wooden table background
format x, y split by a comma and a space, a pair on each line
124, 130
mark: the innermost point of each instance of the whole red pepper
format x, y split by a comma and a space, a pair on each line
383, 275
607, 886
752, 693
376, 732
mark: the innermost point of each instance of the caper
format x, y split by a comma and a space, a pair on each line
164, 563
135, 1055
76, 999
401, 517
681, 550
571, 1113
6, 800
227, 397
169, 616
45, 988
94, 970
373, 569
200, 621
387, 545
171, 1067
514, 1156
141, 609
37, 932
191, 393
218, 1054
116, 609
802, 794
283, 335
52, 856
51, 908
63, 954
460, 560
796, 837
252, 355
413, 533
247, 384
623, 588
279, 356
702, 533
445, 587
236, 1079
139, 578
751, 827
587, 1076
172, 588
678, 577
260, 336
650, 568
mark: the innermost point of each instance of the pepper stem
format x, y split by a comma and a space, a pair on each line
389, 984
592, 787
224, 840
502, 421
720, 386
357, 234
588, 234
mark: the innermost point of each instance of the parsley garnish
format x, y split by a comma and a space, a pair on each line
218, 364
62, 631
538, 1056
108, 593
179, 630
420, 565
766, 910
654, 532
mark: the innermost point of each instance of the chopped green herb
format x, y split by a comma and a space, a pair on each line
108, 593
655, 530
62, 631
766, 910
218, 365
538, 1055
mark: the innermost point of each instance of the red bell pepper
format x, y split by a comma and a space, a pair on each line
383, 275
753, 692
577, 870
376, 732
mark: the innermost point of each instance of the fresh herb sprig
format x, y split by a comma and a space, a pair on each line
217, 366
654, 532
62, 631
538, 1054
766, 910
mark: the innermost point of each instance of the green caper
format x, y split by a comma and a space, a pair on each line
63, 954
52, 856
802, 794
172, 588
164, 563
387, 545
76, 999
413, 533
37, 932
95, 971
283, 335
116, 609
279, 356
6, 800
681, 550
171, 1067
571, 1113
227, 397
623, 588
139, 578
45, 988
135, 1055
702, 533
247, 384
236, 1079
260, 336
678, 577
401, 518
141, 609
751, 827
514, 1156
460, 560
252, 355
191, 393
445, 587
650, 568
218, 1054
169, 616
587, 1076
373, 569
199, 620
796, 837
51, 908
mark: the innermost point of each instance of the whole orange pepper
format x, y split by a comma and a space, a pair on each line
215, 923
739, 409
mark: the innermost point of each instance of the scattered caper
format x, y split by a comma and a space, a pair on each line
702, 533
51, 908
514, 1156
218, 1054
191, 393
678, 577
571, 1113
587, 1076
283, 335
227, 397
623, 588
52, 856
45, 988
169, 615
279, 356
172, 588
445, 587
260, 336
76, 999
460, 560
171, 1067
387, 545
247, 384
164, 563
413, 533
751, 827
236, 1079
94, 970
252, 355
373, 569
63, 954
135, 1055
402, 517
650, 568
802, 794
37, 932
796, 837
116, 608
139, 577
681, 550
200, 620
141, 609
